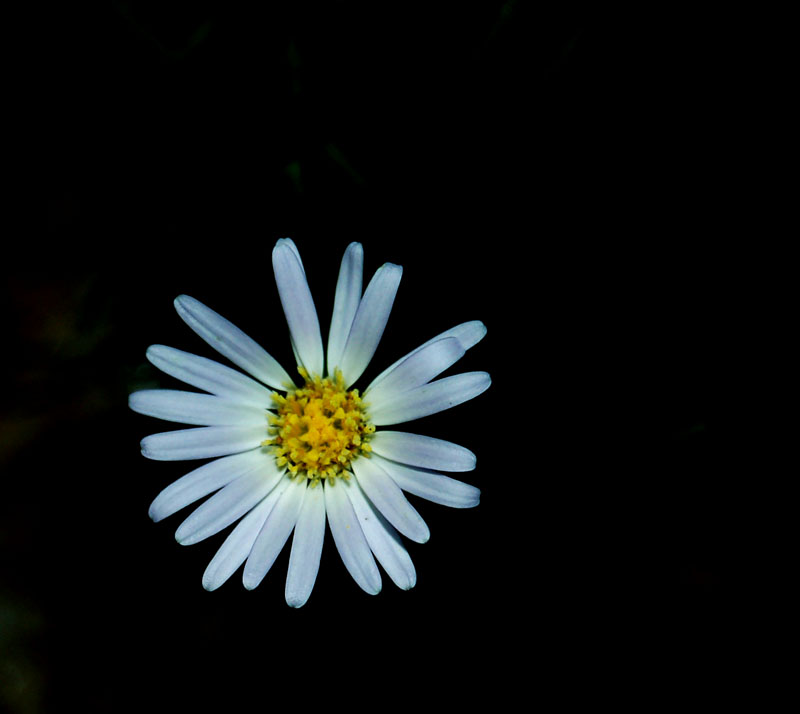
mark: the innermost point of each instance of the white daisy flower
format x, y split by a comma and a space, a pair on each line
289, 458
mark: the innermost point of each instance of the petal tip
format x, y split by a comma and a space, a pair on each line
296, 601
209, 584
408, 585
182, 301
153, 351
284, 244
145, 449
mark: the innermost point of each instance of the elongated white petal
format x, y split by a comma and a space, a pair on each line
237, 546
309, 534
423, 451
274, 533
209, 376
418, 369
387, 497
345, 304
431, 485
204, 480
467, 333
349, 538
193, 408
202, 442
430, 398
231, 342
228, 505
298, 306
370, 321
383, 540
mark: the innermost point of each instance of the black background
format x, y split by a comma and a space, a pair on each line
560, 173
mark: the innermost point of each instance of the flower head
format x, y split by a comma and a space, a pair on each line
287, 458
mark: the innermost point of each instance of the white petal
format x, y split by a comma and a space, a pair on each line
383, 540
431, 485
387, 498
237, 546
193, 408
203, 442
209, 376
430, 398
228, 505
309, 534
467, 333
345, 305
370, 321
204, 480
231, 342
288, 242
274, 533
417, 369
298, 306
423, 451
349, 538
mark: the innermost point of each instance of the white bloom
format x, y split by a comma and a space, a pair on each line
289, 458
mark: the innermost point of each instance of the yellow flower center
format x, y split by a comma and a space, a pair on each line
319, 428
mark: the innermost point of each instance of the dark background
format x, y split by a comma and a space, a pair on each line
559, 172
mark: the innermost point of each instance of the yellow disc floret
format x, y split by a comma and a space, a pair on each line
319, 428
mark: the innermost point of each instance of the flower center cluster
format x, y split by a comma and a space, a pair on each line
319, 428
